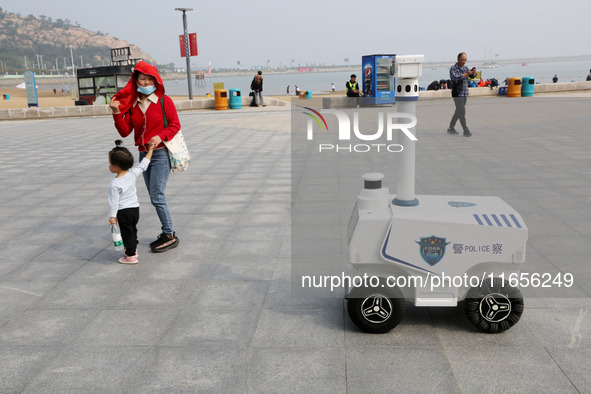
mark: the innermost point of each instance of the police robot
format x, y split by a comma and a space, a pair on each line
431, 250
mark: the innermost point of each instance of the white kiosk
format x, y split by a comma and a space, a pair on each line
433, 250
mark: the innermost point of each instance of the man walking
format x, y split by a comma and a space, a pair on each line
459, 75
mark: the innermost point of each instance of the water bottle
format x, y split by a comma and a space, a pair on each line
116, 234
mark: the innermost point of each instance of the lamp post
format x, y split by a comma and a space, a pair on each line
187, 49
3, 66
73, 66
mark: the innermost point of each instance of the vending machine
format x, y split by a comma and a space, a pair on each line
378, 82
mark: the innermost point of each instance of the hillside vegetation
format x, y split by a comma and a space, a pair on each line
45, 43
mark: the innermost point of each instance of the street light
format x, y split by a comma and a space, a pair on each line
73, 66
187, 49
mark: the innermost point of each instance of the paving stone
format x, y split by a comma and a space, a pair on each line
294, 370
400, 369
127, 328
20, 364
45, 327
92, 370
190, 369
227, 295
292, 327
212, 327
493, 370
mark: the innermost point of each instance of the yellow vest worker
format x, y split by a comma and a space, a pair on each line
352, 87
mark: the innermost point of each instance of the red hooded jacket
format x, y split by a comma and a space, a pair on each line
150, 124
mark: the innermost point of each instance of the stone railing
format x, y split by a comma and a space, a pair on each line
103, 110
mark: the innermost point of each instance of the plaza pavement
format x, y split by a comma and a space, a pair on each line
215, 315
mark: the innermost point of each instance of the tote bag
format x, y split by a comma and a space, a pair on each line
177, 149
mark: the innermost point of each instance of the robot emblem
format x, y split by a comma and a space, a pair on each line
432, 249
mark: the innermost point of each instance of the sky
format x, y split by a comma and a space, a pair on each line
266, 32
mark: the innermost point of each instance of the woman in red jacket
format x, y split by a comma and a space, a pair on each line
138, 108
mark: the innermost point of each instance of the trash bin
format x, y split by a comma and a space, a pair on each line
302, 94
527, 86
308, 94
6, 96
235, 99
514, 87
221, 99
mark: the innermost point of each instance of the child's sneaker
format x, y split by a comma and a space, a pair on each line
129, 259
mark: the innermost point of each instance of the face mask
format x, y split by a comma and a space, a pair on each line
147, 90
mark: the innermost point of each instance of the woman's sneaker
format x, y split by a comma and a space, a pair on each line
164, 243
129, 259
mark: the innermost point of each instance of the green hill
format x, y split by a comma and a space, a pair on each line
45, 44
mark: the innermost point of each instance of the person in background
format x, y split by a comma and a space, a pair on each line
589, 76
434, 86
352, 87
297, 90
459, 75
332, 87
257, 86
287, 93
555, 79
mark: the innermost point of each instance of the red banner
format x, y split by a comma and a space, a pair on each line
192, 44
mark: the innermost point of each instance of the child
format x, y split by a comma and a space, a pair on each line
124, 207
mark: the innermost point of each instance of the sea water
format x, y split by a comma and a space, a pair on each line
320, 82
